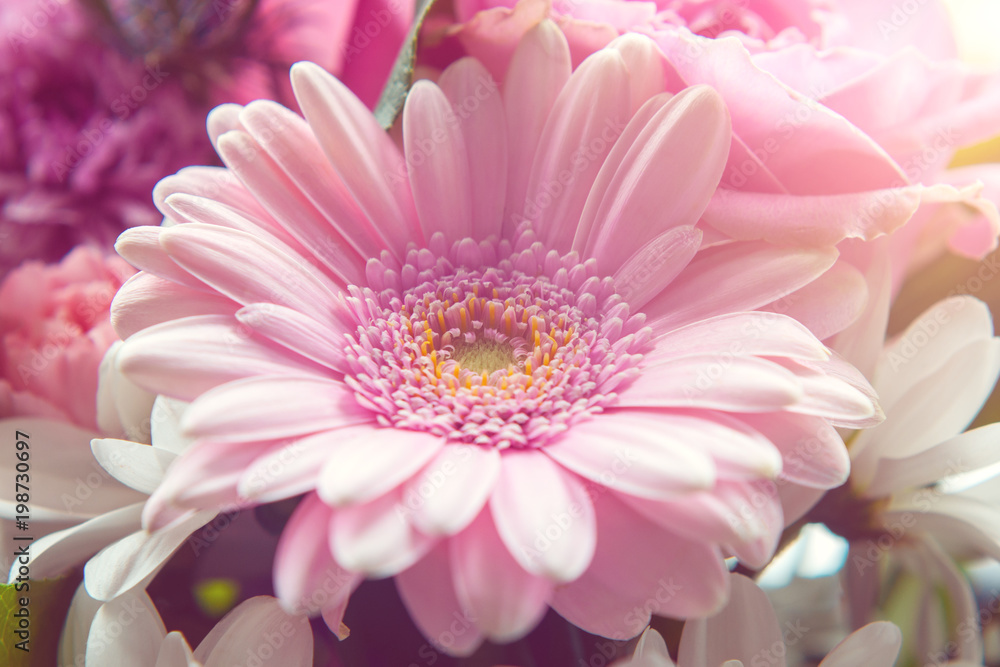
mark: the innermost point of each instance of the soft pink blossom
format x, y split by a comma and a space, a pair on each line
899, 87
484, 392
54, 331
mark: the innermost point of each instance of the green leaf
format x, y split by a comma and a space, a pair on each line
47, 603
394, 94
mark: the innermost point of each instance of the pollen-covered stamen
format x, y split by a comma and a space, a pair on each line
506, 354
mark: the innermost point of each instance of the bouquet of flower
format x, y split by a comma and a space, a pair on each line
556, 333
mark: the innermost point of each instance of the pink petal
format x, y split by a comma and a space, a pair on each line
145, 300
290, 469
428, 591
361, 152
736, 277
544, 516
297, 214
140, 246
745, 629
452, 489
627, 451
336, 217
815, 221
374, 538
248, 270
538, 71
829, 304
217, 184
851, 162
437, 163
272, 407
740, 334
655, 265
206, 475
715, 382
306, 578
367, 462
645, 64
590, 112
812, 452
186, 357
506, 601
475, 100
843, 398
746, 517
630, 578
653, 187
298, 333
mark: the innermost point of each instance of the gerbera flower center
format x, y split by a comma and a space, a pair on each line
484, 356
489, 345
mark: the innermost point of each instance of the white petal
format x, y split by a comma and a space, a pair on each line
126, 631
141, 467
135, 559
258, 627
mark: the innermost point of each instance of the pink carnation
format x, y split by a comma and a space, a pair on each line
494, 359
54, 330
84, 134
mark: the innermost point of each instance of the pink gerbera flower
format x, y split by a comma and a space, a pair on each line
505, 365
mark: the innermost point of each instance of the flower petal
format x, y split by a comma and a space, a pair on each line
375, 538
506, 601
544, 516
428, 591
306, 578
254, 620
452, 489
363, 463
633, 452
134, 560
654, 188
272, 407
